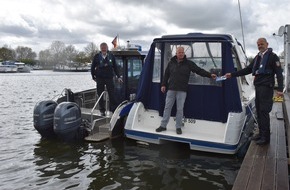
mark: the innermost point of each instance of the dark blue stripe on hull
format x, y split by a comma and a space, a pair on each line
207, 145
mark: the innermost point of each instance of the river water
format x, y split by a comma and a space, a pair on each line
29, 162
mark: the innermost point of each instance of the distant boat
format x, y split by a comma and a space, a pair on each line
218, 114
8, 68
13, 67
73, 67
37, 67
22, 68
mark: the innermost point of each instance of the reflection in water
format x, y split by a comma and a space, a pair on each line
59, 162
123, 164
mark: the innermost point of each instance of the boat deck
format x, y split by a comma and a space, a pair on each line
101, 124
201, 130
266, 167
97, 137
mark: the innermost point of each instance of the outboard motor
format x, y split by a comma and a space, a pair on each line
67, 122
43, 118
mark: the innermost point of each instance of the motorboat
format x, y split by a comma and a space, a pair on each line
22, 68
75, 116
7, 67
13, 67
218, 114
72, 67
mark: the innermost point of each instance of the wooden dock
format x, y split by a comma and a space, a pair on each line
266, 167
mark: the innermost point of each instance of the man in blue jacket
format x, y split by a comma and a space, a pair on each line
103, 70
263, 67
176, 79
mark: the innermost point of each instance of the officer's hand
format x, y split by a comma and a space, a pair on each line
163, 89
120, 80
228, 75
279, 93
213, 76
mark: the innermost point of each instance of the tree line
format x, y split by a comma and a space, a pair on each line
58, 53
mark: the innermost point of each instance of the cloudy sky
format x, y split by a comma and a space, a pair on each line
37, 23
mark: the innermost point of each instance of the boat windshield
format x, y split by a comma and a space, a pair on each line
206, 55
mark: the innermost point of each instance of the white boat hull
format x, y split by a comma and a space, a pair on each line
201, 135
8, 69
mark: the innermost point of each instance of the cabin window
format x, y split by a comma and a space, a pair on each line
157, 64
237, 64
206, 55
134, 68
120, 64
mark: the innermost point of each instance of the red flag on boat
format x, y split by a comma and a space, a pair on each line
114, 42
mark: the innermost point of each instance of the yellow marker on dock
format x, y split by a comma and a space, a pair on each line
278, 99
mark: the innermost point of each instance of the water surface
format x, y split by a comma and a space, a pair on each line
29, 162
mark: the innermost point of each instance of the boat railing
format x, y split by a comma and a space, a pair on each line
57, 96
105, 95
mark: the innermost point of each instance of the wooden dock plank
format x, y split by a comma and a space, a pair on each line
244, 171
256, 174
266, 167
269, 179
269, 174
282, 181
281, 142
286, 112
282, 160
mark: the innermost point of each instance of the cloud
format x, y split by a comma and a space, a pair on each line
81, 22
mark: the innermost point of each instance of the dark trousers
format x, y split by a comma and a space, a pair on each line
101, 82
264, 103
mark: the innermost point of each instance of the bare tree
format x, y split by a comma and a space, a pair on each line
71, 53
45, 58
82, 57
57, 50
91, 49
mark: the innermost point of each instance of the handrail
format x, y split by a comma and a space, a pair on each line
101, 96
58, 95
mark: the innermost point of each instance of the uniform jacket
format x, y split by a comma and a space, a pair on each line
104, 68
272, 67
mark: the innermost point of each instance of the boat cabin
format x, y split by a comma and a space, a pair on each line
207, 99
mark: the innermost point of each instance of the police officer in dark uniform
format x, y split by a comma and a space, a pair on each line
263, 67
103, 70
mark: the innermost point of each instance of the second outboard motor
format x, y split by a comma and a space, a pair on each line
67, 121
43, 118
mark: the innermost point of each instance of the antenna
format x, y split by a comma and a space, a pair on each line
281, 31
284, 31
242, 26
